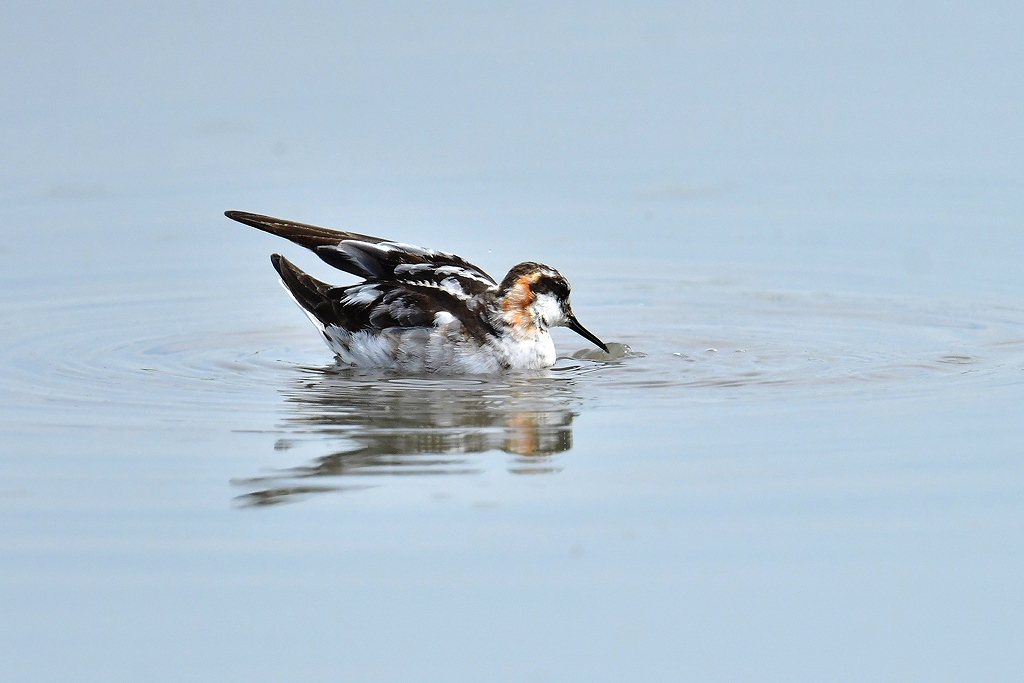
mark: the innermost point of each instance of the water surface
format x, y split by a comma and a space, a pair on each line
802, 223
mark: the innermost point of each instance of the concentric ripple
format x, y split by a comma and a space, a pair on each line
127, 359
708, 343
124, 354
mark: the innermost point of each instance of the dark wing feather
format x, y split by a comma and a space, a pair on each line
406, 263
378, 305
376, 258
348, 256
309, 236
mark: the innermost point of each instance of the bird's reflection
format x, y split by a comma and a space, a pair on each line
379, 426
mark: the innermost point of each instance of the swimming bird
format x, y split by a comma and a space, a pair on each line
422, 310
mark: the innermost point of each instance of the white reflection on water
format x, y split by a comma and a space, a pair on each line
835, 492
344, 426
375, 425
337, 429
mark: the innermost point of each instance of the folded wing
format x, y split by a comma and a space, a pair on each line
377, 305
377, 259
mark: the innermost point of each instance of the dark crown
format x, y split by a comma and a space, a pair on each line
542, 280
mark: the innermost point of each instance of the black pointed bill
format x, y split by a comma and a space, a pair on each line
573, 324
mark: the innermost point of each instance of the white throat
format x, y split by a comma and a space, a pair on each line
547, 311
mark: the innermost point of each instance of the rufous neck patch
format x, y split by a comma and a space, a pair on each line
516, 304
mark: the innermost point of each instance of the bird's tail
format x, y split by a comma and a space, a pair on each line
312, 295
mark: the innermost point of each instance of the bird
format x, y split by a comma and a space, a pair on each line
421, 310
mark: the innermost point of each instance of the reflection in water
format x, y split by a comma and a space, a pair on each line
381, 425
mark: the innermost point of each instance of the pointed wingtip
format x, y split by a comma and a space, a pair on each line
245, 217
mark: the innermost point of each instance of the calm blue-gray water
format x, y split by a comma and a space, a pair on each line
805, 222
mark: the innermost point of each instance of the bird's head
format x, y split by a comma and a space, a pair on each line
535, 296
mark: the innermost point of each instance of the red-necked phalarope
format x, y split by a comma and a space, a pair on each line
421, 310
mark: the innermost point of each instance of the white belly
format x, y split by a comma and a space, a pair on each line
438, 349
